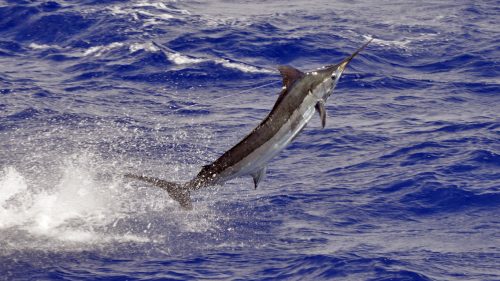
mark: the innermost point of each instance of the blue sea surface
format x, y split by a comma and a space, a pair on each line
403, 183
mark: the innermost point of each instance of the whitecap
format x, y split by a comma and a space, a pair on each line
36, 46
242, 67
99, 50
395, 43
149, 12
149, 47
156, 16
401, 43
180, 59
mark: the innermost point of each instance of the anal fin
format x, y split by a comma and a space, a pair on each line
258, 176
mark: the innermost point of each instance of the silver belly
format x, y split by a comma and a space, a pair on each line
259, 158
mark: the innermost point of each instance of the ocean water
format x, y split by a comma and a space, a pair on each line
403, 183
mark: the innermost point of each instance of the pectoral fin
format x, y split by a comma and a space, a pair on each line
259, 176
320, 107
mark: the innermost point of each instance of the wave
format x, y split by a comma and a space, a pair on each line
327, 267
149, 12
433, 198
134, 48
99, 50
181, 59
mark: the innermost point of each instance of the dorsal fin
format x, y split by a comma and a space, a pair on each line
290, 75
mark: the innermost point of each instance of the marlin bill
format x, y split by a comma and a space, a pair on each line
302, 94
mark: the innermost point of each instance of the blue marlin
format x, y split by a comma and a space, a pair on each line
302, 95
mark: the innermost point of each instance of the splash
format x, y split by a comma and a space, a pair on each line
11, 184
68, 211
77, 207
84, 205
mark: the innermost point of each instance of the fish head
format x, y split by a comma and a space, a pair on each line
328, 76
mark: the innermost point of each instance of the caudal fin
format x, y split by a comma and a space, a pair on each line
178, 192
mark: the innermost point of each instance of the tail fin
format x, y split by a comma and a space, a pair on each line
178, 192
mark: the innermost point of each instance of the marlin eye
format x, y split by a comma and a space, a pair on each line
333, 77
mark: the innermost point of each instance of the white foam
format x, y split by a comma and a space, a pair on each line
174, 57
150, 12
394, 43
242, 67
118, 10
149, 47
159, 5
180, 59
156, 16
134, 47
36, 46
100, 50
401, 43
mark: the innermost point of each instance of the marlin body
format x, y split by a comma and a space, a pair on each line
302, 95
